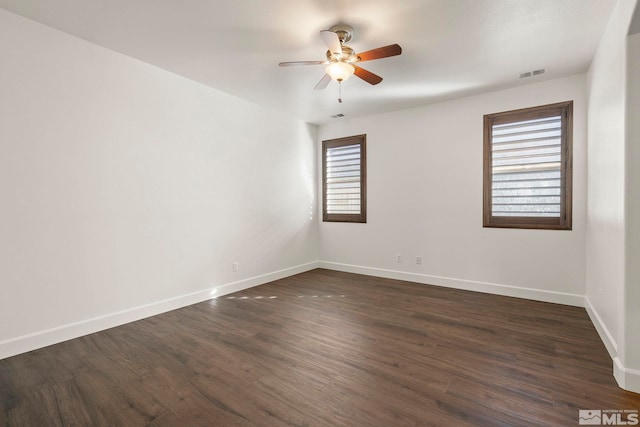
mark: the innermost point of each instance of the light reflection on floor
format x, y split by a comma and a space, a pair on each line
275, 297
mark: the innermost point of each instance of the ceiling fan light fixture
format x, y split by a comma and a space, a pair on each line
340, 71
341, 58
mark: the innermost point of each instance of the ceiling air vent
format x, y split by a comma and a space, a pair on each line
533, 73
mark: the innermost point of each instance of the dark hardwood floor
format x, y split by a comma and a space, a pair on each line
324, 349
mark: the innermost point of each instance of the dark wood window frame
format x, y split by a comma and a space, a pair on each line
564, 220
360, 217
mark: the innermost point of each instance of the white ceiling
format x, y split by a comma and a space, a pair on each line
451, 48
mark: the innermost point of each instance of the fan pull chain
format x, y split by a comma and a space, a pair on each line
340, 91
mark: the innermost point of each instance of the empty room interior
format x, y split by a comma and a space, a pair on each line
319, 212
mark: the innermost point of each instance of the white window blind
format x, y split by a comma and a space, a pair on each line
526, 168
343, 179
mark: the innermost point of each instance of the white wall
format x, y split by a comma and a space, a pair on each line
424, 180
631, 360
605, 223
611, 215
128, 190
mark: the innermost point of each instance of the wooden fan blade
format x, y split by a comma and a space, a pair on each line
324, 81
367, 76
381, 52
294, 63
332, 41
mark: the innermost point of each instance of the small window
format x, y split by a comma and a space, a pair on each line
344, 180
528, 167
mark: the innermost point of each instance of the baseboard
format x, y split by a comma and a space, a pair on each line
628, 379
470, 285
606, 336
40, 339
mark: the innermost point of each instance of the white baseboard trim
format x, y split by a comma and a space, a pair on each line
605, 335
628, 379
40, 339
470, 285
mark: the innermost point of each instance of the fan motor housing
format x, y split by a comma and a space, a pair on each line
348, 55
344, 32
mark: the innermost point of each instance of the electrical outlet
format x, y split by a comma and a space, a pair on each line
418, 260
235, 267
398, 258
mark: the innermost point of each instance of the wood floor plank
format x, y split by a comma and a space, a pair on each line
324, 348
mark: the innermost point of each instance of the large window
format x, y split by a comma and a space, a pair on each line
344, 179
528, 167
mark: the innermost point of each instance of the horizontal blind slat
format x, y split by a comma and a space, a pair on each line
533, 142
534, 122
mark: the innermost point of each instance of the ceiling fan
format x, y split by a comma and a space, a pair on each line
341, 59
